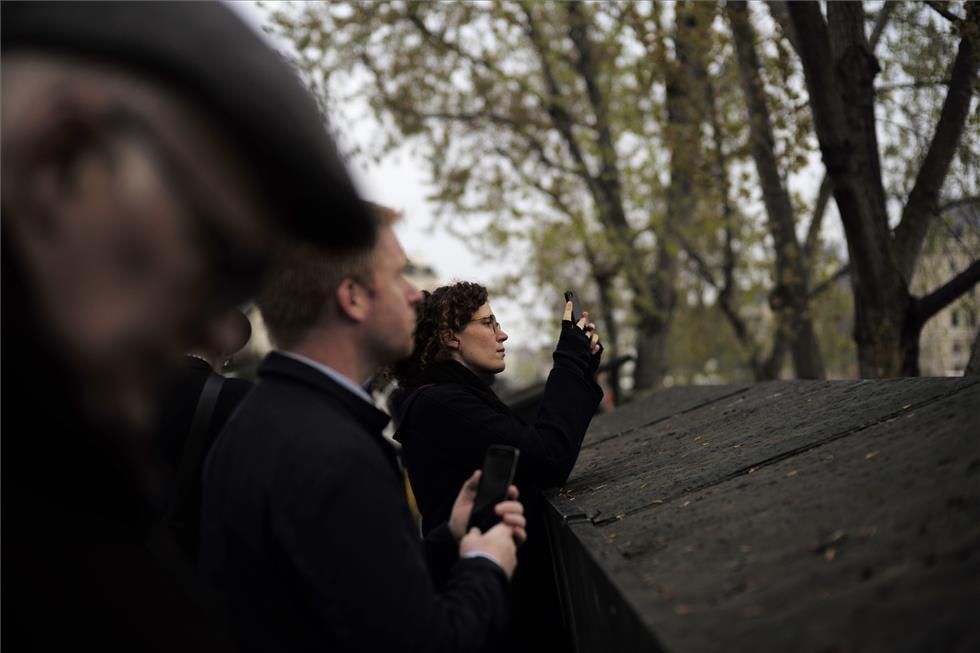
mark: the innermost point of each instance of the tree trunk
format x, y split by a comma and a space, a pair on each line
790, 299
880, 297
652, 360
610, 335
840, 68
686, 111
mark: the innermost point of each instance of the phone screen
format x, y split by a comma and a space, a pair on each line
499, 466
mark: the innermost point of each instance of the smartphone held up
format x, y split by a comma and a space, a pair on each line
572, 296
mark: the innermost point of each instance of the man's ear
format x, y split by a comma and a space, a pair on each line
352, 300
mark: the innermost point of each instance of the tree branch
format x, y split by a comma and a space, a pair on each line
973, 200
468, 117
941, 297
779, 12
609, 205
585, 65
535, 182
700, 265
440, 43
881, 20
819, 210
924, 198
942, 11
925, 83
828, 283
559, 116
854, 189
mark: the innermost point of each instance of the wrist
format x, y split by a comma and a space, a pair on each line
482, 554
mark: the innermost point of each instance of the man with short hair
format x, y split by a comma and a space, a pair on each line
151, 152
305, 525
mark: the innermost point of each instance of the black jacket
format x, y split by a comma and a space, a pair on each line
307, 531
450, 421
179, 410
77, 506
181, 403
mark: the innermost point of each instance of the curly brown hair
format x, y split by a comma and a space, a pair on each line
442, 312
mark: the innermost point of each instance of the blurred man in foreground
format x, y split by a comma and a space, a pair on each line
151, 151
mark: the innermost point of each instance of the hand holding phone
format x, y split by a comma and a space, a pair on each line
499, 466
572, 296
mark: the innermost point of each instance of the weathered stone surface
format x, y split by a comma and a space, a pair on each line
791, 516
649, 410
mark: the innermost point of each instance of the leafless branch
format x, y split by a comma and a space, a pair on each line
973, 200
922, 200
923, 83
819, 210
942, 11
828, 283
881, 21
440, 42
948, 293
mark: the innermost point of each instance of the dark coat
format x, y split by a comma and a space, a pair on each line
179, 410
77, 572
307, 531
181, 403
445, 434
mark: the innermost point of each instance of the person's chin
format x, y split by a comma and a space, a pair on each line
405, 351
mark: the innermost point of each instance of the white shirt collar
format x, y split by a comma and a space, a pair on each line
333, 374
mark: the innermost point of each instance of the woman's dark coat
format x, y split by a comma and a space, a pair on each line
449, 420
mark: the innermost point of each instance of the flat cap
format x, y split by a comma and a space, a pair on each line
205, 51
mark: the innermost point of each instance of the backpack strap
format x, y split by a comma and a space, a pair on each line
189, 467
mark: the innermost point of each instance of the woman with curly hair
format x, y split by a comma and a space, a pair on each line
450, 415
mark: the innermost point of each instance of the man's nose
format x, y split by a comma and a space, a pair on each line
502, 335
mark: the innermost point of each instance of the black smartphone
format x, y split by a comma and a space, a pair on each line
572, 296
499, 466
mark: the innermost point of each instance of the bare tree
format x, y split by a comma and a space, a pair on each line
791, 294
840, 69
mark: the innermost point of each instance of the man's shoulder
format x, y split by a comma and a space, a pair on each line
297, 438
297, 409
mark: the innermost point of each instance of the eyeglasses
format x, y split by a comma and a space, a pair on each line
489, 322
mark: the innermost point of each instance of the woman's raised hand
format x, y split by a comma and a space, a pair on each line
595, 346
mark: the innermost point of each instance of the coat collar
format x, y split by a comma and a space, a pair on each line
277, 365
